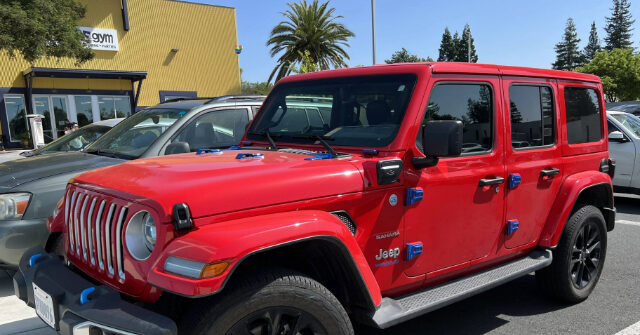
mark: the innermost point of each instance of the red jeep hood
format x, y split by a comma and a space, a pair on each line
219, 183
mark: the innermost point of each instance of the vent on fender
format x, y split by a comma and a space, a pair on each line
347, 220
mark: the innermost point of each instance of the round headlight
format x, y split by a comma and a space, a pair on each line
149, 232
140, 235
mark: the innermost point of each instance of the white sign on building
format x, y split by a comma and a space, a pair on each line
100, 39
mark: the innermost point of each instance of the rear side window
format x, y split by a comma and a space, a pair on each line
583, 115
532, 116
470, 103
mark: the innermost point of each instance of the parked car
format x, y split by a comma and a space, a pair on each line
31, 187
369, 211
624, 147
74, 141
632, 107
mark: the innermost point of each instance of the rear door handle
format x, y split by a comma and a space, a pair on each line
550, 172
488, 182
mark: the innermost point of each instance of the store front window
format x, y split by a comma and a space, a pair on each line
84, 110
17, 117
112, 107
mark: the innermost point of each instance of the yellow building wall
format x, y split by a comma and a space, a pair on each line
205, 36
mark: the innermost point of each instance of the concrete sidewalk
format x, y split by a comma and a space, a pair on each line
15, 316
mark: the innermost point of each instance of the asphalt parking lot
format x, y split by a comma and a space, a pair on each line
515, 308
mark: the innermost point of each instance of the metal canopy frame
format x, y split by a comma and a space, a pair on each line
134, 76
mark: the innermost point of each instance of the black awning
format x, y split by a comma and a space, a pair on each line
75, 73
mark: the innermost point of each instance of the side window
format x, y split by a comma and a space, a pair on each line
583, 115
215, 129
532, 116
470, 103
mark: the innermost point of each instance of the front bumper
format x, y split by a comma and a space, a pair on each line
105, 310
18, 236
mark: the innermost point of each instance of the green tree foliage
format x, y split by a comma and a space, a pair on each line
260, 88
568, 56
403, 56
306, 64
447, 51
311, 27
455, 48
462, 51
43, 28
594, 44
619, 70
619, 26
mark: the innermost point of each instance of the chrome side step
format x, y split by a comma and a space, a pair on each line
394, 311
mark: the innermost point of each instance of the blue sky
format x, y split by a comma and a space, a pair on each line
516, 32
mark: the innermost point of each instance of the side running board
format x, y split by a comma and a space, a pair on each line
394, 311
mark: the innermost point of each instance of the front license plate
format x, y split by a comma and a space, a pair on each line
44, 306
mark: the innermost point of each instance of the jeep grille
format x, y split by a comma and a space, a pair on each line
93, 223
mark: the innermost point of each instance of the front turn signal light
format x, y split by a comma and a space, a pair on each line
213, 270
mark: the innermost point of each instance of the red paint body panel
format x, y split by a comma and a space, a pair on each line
245, 206
235, 239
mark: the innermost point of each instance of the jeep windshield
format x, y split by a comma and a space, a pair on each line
363, 111
133, 136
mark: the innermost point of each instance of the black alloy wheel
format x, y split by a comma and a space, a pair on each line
278, 321
585, 255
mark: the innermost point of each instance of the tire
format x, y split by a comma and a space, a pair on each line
253, 306
577, 261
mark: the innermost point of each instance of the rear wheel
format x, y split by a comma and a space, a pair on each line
579, 257
281, 302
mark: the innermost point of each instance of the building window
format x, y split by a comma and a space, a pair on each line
583, 115
168, 95
17, 117
532, 116
112, 107
84, 112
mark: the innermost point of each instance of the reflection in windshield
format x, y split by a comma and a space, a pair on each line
355, 111
133, 136
74, 141
630, 122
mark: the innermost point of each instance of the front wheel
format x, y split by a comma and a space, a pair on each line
279, 302
579, 257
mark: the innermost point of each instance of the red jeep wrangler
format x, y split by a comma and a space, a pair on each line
374, 194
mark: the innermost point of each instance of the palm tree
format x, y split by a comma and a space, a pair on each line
308, 29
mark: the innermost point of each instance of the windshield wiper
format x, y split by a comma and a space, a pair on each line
323, 140
269, 137
111, 154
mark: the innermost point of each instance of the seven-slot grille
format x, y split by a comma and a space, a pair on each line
94, 226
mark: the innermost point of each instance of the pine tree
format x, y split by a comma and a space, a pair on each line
462, 51
446, 53
568, 56
618, 26
594, 44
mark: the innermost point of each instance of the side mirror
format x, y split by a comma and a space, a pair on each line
617, 136
439, 139
177, 148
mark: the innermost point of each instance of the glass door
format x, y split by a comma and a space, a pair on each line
42, 106
60, 114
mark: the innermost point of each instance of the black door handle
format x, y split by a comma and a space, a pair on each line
549, 173
488, 182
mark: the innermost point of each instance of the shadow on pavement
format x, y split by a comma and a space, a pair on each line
479, 314
31, 326
627, 204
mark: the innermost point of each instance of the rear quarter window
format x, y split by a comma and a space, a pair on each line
582, 109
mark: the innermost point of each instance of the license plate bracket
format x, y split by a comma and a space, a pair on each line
45, 307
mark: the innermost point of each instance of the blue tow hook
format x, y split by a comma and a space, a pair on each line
84, 296
33, 259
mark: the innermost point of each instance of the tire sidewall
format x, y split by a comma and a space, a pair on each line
578, 221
